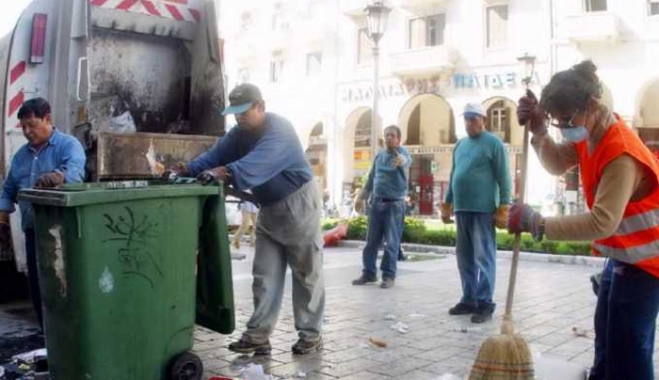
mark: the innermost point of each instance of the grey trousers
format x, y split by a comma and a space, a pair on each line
288, 234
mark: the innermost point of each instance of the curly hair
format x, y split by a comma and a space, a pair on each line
570, 90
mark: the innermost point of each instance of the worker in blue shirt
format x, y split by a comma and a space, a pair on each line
50, 158
479, 195
264, 154
387, 188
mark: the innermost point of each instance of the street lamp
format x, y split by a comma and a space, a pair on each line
376, 17
529, 68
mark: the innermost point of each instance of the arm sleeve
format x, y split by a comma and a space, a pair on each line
368, 186
556, 158
9, 192
620, 179
407, 159
73, 162
449, 192
274, 152
213, 158
502, 171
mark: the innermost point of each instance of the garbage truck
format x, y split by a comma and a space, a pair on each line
138, 82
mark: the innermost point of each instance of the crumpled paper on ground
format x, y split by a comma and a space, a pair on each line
400, 327
254, 372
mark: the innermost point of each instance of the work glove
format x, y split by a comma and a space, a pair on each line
180, 170
221, 173
446, 211
522, 218
501, 216
530, 112
49, 180
360, 205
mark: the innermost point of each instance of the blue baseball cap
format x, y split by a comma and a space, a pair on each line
242, 98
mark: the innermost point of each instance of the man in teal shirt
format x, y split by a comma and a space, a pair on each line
387, 188
479, 195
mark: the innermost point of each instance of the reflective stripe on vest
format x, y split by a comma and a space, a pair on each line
639, 222
630, 255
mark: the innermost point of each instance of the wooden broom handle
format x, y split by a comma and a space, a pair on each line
518, 237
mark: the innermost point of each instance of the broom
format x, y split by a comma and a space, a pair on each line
507, 356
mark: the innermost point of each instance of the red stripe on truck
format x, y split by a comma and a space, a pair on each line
151, 8
174, 12
196, 14
17, 71
16, 102
98, 3
126, 4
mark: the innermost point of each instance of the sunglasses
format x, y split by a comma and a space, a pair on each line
564, 124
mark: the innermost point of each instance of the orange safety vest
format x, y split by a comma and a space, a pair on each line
636, 241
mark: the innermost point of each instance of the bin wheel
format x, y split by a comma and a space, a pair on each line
186, 367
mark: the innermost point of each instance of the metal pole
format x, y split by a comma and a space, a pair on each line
375, 115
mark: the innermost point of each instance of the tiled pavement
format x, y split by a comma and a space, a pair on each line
551, 301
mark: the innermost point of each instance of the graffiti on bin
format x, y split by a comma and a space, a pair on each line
135, 253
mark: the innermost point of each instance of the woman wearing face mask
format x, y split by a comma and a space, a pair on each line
620, 179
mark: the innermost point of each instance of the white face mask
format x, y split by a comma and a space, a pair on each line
576, 134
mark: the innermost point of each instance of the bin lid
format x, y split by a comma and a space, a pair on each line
80, 194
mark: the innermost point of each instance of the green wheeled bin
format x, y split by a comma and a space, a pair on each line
126, 269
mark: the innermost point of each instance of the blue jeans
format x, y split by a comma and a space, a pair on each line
627, 306
385, 222
476, 254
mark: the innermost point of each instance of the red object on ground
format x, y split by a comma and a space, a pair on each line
221, 378
332, 237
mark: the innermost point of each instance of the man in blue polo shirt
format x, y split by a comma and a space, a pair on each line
387, 188
263, 154
49, 158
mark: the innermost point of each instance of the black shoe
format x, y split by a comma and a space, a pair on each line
481, 317
244, 347
595, 281
363, 280
304, 347
401, 255
462, 309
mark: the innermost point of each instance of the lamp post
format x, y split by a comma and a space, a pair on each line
376, 17
529, 68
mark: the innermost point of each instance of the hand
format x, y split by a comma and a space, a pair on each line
360, 204
529, 111
522, 218
446, 211
209, 176
501, 216
50, 180
180, 170
398, 160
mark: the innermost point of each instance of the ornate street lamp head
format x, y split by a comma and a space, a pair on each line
529, 67
376, 16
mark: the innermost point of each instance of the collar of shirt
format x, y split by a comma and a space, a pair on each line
52, 140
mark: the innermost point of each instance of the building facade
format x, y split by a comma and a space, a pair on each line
314, 62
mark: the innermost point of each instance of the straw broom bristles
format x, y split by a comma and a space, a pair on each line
503, 357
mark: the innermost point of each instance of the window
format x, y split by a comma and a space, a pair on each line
314, 63
653, 7
245, 21
497, 26
278, 18
276, 68
427, 31
595, 5
499, 120
364, 47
